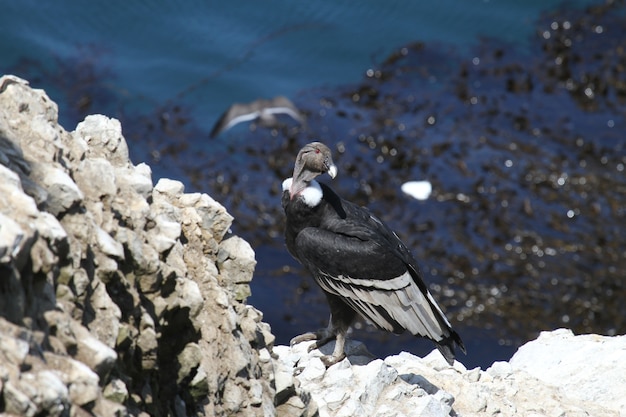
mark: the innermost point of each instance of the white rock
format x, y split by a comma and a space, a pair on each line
108, 245
63, 192
283, 379
49, 227
214, 217
46, 390
429, 387
314, 370
232, 397
104, 137
82, 381
138, 178
264, 355
221, 298
8, 79
587, 367
373, 389
116, 390
13, 349
170, 188
334, 398
14, 201
165, 233
96, 178
429, 407
189, 295
376, 376
500, 369
134, 210
11, 238
27, 206
106, 325
236, 260
190, 199
15, 402
256, 392
91, 351
9, 178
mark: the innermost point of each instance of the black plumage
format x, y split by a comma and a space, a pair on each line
361, 265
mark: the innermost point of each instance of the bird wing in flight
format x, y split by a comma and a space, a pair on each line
285, 110
237, 113
244, 112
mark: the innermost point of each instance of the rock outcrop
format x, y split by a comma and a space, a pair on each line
558, 374
121, 297
117, 296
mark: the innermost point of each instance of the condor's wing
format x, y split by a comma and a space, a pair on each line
364, 263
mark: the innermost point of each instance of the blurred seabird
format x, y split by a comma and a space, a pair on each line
262, 109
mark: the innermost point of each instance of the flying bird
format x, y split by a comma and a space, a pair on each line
360, 264
262, 109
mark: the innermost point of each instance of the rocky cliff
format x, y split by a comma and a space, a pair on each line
116, 295
122, 297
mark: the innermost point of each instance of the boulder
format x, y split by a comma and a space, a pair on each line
588, 368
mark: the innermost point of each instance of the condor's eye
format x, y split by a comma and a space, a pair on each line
317, 151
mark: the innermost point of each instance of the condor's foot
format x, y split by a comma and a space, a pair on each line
321, 338
330, 360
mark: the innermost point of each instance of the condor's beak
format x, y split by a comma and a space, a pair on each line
332, 171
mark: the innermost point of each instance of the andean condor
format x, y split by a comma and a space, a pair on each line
361, 265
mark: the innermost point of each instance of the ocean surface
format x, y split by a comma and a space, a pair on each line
216, 53
182, 64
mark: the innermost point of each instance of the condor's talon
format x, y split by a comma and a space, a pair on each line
321, 337
330, 360
306, 337
321, 342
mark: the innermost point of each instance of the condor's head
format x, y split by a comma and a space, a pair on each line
312, 160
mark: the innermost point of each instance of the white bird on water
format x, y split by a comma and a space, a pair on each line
419, 190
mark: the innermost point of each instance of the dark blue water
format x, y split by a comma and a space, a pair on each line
216, 53
173, 68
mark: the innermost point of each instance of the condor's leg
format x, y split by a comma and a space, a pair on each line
341, 316
321, 337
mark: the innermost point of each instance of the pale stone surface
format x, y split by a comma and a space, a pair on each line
63, 193
138, 178
585, 367
130, 310
104, 138
554, 384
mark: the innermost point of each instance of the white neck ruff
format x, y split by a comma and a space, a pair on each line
311, 195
